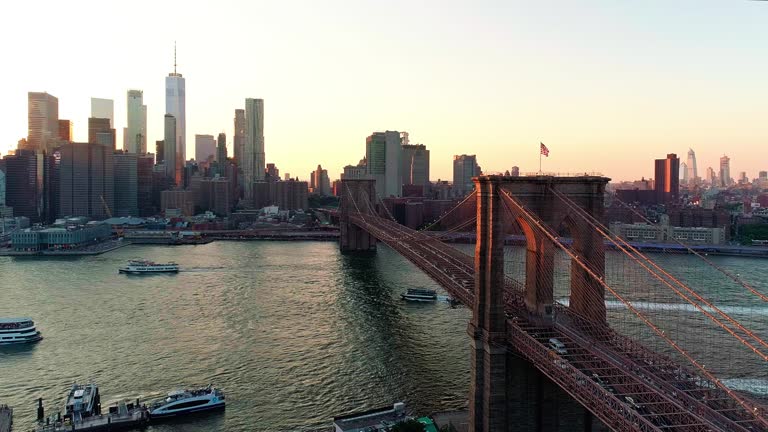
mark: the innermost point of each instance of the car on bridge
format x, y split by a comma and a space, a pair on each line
557, 346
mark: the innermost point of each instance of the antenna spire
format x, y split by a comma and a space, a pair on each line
174, 57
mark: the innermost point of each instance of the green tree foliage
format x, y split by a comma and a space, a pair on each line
747, 233
408, 426
318, 201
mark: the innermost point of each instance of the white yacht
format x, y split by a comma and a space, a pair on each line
419, 295
18, 331
143, 266
182, 402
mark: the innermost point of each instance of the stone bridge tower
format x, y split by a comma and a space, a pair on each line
357, 196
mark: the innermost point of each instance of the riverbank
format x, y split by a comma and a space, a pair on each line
113, 244
95, 249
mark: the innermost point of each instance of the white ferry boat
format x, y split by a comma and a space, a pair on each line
18, 331
419, 295
143, 266
182, 402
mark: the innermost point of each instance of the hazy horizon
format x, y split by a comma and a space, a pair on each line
607, 86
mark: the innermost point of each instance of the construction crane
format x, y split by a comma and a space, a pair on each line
118, 229
106, 207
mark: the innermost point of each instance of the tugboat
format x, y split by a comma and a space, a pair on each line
18, 331
143, 266
419, 295
181, 402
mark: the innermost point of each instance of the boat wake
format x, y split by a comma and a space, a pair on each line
679, 307
755, 386
201, 269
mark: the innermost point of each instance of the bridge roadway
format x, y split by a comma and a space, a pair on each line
625, 385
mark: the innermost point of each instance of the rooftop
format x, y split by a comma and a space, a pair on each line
14, 320
376, 418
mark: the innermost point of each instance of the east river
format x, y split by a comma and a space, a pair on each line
294, 332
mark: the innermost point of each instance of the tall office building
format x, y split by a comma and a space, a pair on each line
175, 105
205, 147
273, 172
238, 144
86, 180
2, 188
667, 179
100, 132
43, 121
684, 172
65, 130
173, 166
321, 181
221, 149
103, 108
144, 165
464, 168
136, 132
24, 175
126, 184
725, 171
159, 151
384, 155
416, 165
693, 174
253, 154
711, 176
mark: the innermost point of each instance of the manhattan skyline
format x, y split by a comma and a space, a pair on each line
608, 87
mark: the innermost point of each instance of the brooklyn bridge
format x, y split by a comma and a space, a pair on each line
562, 342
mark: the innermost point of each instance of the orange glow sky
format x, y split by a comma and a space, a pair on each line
607, 85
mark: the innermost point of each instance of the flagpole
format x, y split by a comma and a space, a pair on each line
539, 161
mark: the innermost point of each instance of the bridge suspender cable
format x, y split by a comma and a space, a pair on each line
594, 223
754, 410
730, 275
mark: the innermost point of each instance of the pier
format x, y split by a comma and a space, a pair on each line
107, 422
6, 418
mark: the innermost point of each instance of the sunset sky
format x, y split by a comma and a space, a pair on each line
606, 85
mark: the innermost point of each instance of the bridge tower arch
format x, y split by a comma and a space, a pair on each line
357, 197
540, 196
491, 367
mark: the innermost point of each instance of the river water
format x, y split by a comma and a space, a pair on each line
294, 332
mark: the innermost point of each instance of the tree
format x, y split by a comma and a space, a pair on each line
408, 426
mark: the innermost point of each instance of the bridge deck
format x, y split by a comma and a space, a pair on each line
625, 385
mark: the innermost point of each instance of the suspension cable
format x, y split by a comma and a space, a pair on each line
754, 410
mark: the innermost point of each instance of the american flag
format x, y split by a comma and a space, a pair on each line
544, 149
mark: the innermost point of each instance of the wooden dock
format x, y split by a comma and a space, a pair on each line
6, 418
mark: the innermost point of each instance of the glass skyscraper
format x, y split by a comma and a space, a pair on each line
693, 174
253, 153
725, 171
175, 105
172, 166
43, 121
103, 109
384, 155
136, 134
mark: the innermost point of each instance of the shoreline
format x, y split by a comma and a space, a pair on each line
302, 236
460, 238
